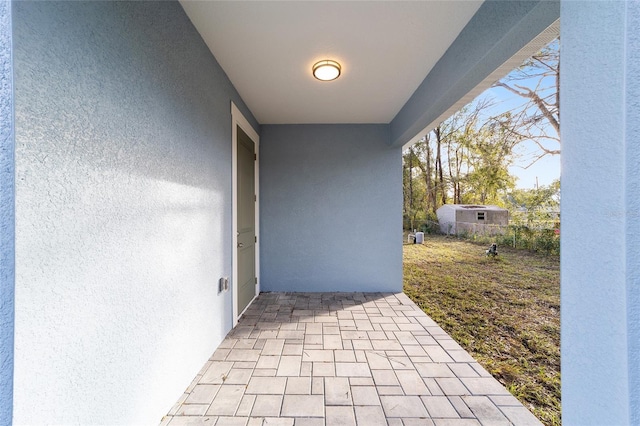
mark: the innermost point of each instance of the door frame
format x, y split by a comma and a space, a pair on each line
238, 119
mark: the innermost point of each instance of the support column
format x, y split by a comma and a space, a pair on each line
632, 198
600, 212
7, 219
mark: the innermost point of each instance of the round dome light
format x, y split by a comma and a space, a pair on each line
326, 70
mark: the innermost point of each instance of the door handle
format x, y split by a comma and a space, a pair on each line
240, 245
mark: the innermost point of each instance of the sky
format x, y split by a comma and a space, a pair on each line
544, 171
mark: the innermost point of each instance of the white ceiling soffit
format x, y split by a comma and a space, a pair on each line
544, 38
386, 49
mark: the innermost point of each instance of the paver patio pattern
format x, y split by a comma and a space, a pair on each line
307, 359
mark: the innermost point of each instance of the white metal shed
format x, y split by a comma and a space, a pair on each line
472, 218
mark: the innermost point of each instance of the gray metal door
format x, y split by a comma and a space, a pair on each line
246, 250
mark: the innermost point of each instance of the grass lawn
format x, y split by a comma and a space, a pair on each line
504, 311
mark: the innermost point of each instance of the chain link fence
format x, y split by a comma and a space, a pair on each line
540, 236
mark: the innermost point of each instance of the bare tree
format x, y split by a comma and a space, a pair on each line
537, 81
441, 185
410, 211
458, 133
425, 164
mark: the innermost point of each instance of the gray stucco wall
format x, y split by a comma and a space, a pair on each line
632, 199
123, 170
600, 179
331, 208
7, 195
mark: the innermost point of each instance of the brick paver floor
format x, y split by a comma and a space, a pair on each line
311, 359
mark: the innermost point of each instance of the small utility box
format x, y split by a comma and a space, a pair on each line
419, 237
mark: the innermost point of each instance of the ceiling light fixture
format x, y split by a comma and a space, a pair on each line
326, 70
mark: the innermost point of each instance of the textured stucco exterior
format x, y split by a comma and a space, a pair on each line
7, 240
632, 199
600, 179
123, 192
331, 208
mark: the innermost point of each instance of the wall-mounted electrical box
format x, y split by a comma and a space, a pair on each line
223, 284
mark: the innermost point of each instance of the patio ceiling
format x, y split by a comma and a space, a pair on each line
386, 49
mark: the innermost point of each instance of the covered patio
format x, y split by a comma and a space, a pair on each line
342, 359
120, 219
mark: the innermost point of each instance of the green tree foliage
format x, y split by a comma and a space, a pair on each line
413, 189
466, 159
490, 155
536, 205
460, 161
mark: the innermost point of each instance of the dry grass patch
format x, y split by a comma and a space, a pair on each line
504, 311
